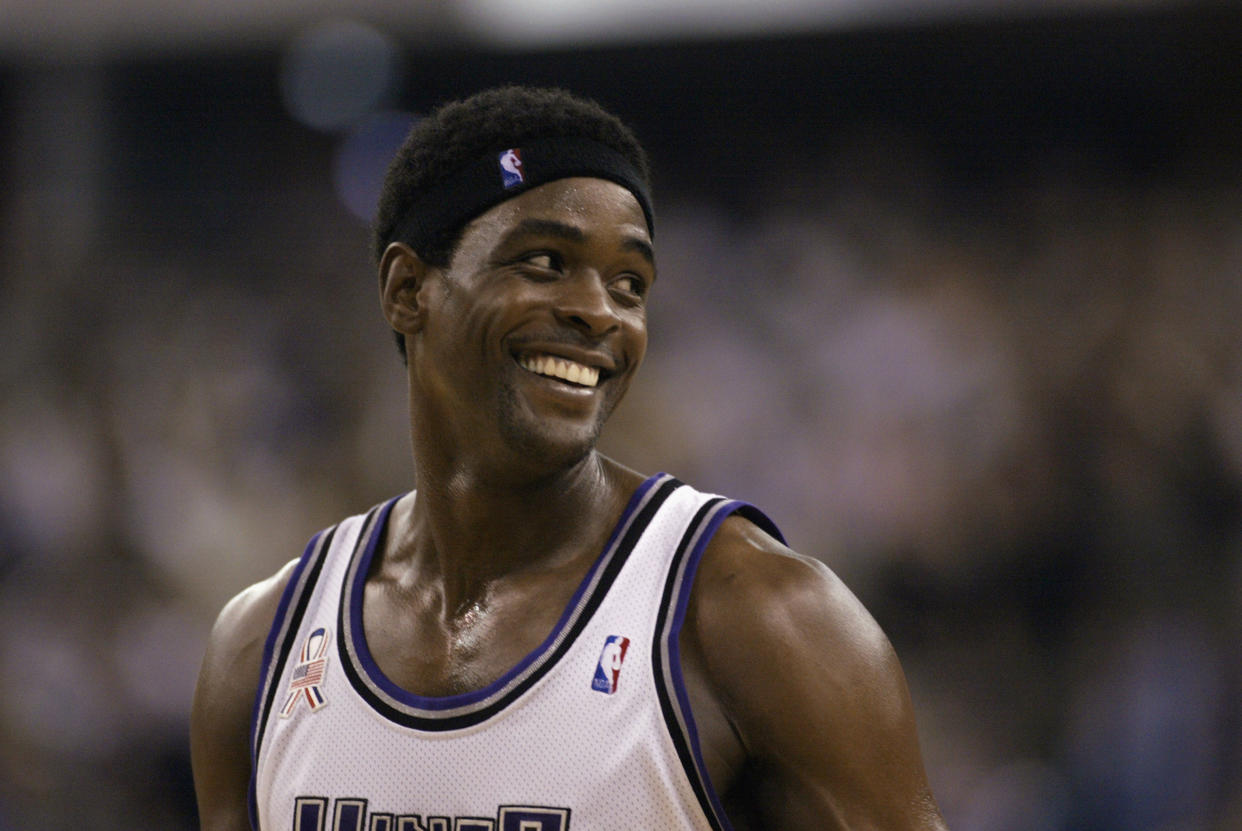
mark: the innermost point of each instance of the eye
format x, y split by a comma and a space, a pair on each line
545, 260
630, 285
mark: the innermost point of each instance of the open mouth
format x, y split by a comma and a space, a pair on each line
550, 366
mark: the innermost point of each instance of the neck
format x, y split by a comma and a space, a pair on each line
471, 528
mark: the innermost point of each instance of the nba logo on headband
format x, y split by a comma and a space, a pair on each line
511, 168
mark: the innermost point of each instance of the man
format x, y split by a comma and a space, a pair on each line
537, 637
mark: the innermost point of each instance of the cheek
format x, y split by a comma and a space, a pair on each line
638, 337
635, 351
471, 325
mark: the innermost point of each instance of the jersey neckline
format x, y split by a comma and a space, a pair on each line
439, 713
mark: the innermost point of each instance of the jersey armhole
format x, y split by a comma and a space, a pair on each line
288, 618
666, 652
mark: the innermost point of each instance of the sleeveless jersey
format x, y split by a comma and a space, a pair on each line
591, 731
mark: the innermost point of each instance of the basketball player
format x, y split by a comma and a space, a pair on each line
537, 638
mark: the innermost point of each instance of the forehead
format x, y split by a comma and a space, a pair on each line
596, 206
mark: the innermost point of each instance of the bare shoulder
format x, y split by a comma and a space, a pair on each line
224, 699
244, 621
758, 603
811, 686
231, 665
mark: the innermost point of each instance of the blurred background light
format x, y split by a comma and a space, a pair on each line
540, 23
362, 158
44, 30
338, 71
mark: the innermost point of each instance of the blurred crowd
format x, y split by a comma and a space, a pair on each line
1010, 416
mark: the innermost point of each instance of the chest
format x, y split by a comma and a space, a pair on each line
427, 653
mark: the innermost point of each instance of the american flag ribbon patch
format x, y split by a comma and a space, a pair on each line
306, 682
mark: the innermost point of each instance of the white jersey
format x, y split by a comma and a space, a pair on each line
590, 731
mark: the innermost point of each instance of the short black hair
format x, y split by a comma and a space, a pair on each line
460, 132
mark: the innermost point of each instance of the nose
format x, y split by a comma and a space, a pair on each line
584, 302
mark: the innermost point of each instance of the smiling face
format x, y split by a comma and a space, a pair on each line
532, 335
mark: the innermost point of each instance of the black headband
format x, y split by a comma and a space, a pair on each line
505, 174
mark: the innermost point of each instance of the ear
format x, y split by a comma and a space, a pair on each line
403, 277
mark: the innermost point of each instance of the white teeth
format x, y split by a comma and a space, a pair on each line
574, 373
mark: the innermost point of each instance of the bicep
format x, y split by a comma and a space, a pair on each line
818, 698
838, 747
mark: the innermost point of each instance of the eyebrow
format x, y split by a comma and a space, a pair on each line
572, 233
642, 247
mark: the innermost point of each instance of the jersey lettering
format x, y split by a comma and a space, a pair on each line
522, 818
350, 814
474, 824
309, 812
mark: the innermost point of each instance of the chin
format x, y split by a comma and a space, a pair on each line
547, 442
549, 438
552, 449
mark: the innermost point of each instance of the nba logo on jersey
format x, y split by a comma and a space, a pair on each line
305, 684
511, 168
608, 670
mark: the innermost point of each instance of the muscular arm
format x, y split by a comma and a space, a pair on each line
803, 693
224, 703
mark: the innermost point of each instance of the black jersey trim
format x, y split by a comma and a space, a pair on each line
439, 714
666, 650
